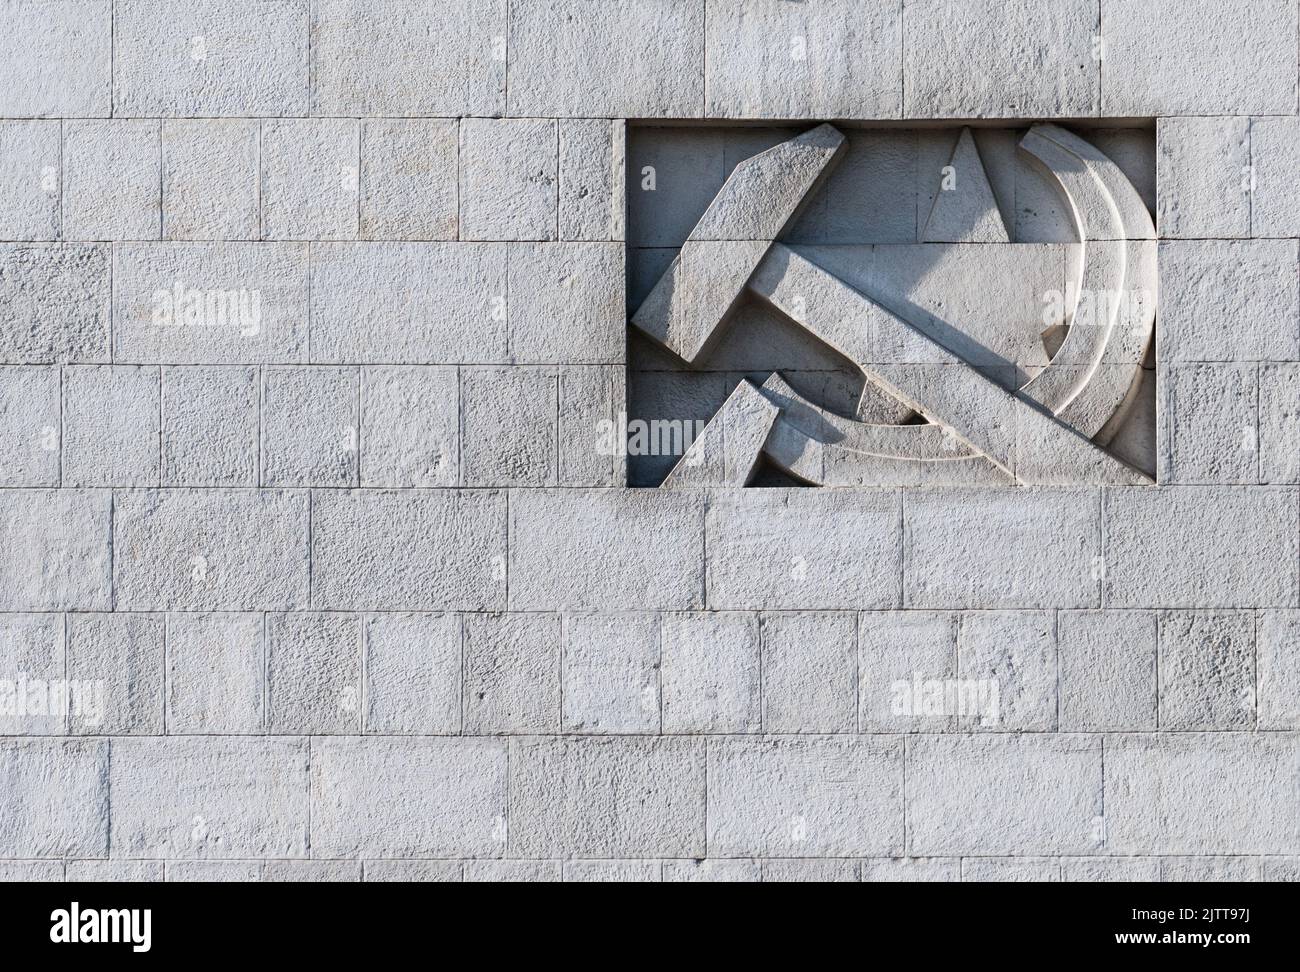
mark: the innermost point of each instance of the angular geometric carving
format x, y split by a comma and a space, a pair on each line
972, 427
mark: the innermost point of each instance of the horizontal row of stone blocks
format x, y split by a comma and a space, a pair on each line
484, 303
675, 673
715, 870
617, 550
667, 58
400, 426
636, 797
311, 179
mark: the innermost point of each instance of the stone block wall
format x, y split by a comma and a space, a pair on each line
309, 313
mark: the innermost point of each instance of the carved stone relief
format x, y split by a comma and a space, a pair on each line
931, 339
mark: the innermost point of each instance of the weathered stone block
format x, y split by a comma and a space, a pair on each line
111, 180
611, 673
1278, 666
56, 59
1203, 170
566, 303
30, 426
30, 180
512, 673
211, 179
1011, 656
814, 797
609, 551
809, 667
1209, 424
111, 426
309, 426
239, 550
56, 550
409, 551
54, 303
1207, 670
54, 797
591, 797
1279, 423
905, 660
121, 657
509, 422
216, 681
413, 673
408, 797
592, 179
408, 178
311, 178
32, 646
711, 680
210, 422
508, 179
313, 668
410, 426
1108, 670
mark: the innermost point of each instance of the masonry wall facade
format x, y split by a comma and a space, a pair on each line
308, 314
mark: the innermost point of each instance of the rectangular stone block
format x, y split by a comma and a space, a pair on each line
612, 673
508, 426
413, 673
30, 180
1229, 301
115, 872
409, 551
906, 660
238, 550
508, 179
56, 59
1203, 171
30, 426
1015, 870
1203, 869
713, 871
32, 653
53, 798
512, 673
216, 872
1004, 794
809, 872
599, 550
210, 422
313, 673
408, 303
1108, 670
593, 797
211, 179
1022, 548
1007, 665
1279, 423
1183, 57
424, 872
1209, 421
591, 179
117, 662
966, 58
567, 303
210, 303
513, 872
311, 178
249, 801
768, 59
210, 59
111, 428
309, 426
1201, 547
809, 669
592, 398
813, 797
1207, 670
410, 426
649, 65
791, 549
1162, 790
1093, 870
55, 550
316, 872
1278, 666
112, 180
408, 58
55, 302
396, 797
621, 872
409, 178
216, 673
711, 673
1274, 155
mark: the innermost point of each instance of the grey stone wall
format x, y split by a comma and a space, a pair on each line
308, 311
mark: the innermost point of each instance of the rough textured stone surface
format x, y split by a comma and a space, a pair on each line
896, 651
1014, 655
1161, 790
803, 550
1273, 147
509, 422
311, 179
809, 667
313, 673
994, 549
591, 156
216, 673
54, 303
54, 798
210, 550
1209, 424
1201, 548
1108, 670
111, 180
819, 797
1207, 670
309, 426
30, 426
1183, 57
1204, 177
57, 551
250, 801
209, 59
210, 426
408, 179
1024, 794
566, 303
508, 179
34, 646
512, 673
710, 673
30, 180
612, 673
409, 550
111, 426
56, 59
211, 179
1278, 669
122, 656
1279, 423
408, 798
592, 797
410, 427
413, 673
